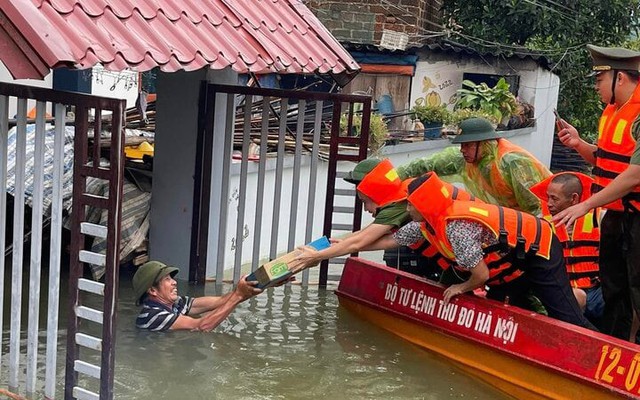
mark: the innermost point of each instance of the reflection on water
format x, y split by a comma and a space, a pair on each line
288, 343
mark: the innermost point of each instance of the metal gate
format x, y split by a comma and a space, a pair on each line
275, 192
45, 183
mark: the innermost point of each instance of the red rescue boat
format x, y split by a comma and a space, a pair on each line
527, 355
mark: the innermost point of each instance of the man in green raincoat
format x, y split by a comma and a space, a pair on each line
492, 168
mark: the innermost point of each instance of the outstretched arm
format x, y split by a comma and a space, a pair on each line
623, 184
216, 309
352, 244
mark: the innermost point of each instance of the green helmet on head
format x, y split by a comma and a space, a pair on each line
475, 130
148, 275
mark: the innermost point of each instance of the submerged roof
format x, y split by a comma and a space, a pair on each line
259, 36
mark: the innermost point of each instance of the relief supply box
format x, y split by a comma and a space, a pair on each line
276, 271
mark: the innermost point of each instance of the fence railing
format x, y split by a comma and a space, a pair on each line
32, 168
269, 198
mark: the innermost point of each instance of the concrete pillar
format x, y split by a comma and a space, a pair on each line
174, 164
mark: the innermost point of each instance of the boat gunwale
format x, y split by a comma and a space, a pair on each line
539, 318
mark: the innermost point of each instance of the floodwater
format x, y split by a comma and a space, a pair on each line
287, 343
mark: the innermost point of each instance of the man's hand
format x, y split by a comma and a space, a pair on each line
452, 291
246, 289
569, 215
568, 135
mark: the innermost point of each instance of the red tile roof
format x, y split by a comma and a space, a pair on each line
260, 36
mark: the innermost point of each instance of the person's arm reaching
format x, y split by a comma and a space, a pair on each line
352, 244
623, 184
479, 275
224, 305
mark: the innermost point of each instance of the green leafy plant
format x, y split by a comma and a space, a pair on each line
497, 101
378, 130
461, 114
557, 33
431, 114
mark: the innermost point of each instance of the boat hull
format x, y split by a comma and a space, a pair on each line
526, 355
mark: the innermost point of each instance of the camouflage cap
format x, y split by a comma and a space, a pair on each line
149, 274
609, 58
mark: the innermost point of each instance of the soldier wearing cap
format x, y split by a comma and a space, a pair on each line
383, 195
492, 168
616, 158
163, 309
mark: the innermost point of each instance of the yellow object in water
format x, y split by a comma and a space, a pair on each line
138, 151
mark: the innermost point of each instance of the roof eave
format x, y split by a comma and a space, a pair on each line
19, 57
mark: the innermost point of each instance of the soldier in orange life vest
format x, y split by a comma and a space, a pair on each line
511, 251
617, 184
411, 235
580, 241
383, 195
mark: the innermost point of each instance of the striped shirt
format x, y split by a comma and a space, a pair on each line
158, 317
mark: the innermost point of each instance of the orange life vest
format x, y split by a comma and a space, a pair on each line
383, 185
581, 248
425, 247
519, 234
615, 147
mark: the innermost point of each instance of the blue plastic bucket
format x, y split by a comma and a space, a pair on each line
433, 131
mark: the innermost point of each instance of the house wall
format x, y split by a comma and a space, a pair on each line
439, 75
363, 21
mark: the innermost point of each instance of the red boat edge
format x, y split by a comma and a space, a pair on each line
516, 350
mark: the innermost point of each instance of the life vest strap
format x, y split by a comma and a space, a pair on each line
520, 240
577, 275
580, 259
503, 234
535, 245
603, 173
601, 153
572, 244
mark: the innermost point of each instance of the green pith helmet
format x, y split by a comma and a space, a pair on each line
361, 170
475, 130
148, 274
608, 58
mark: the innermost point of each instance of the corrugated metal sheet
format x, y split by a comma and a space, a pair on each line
260, 36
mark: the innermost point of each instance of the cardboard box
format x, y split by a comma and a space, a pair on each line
276, 271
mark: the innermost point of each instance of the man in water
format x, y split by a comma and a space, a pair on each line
163, 309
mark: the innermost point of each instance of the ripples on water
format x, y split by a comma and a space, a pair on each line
287, 343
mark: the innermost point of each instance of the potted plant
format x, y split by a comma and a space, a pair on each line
432, 117
378, 130
461, 114
497, 101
